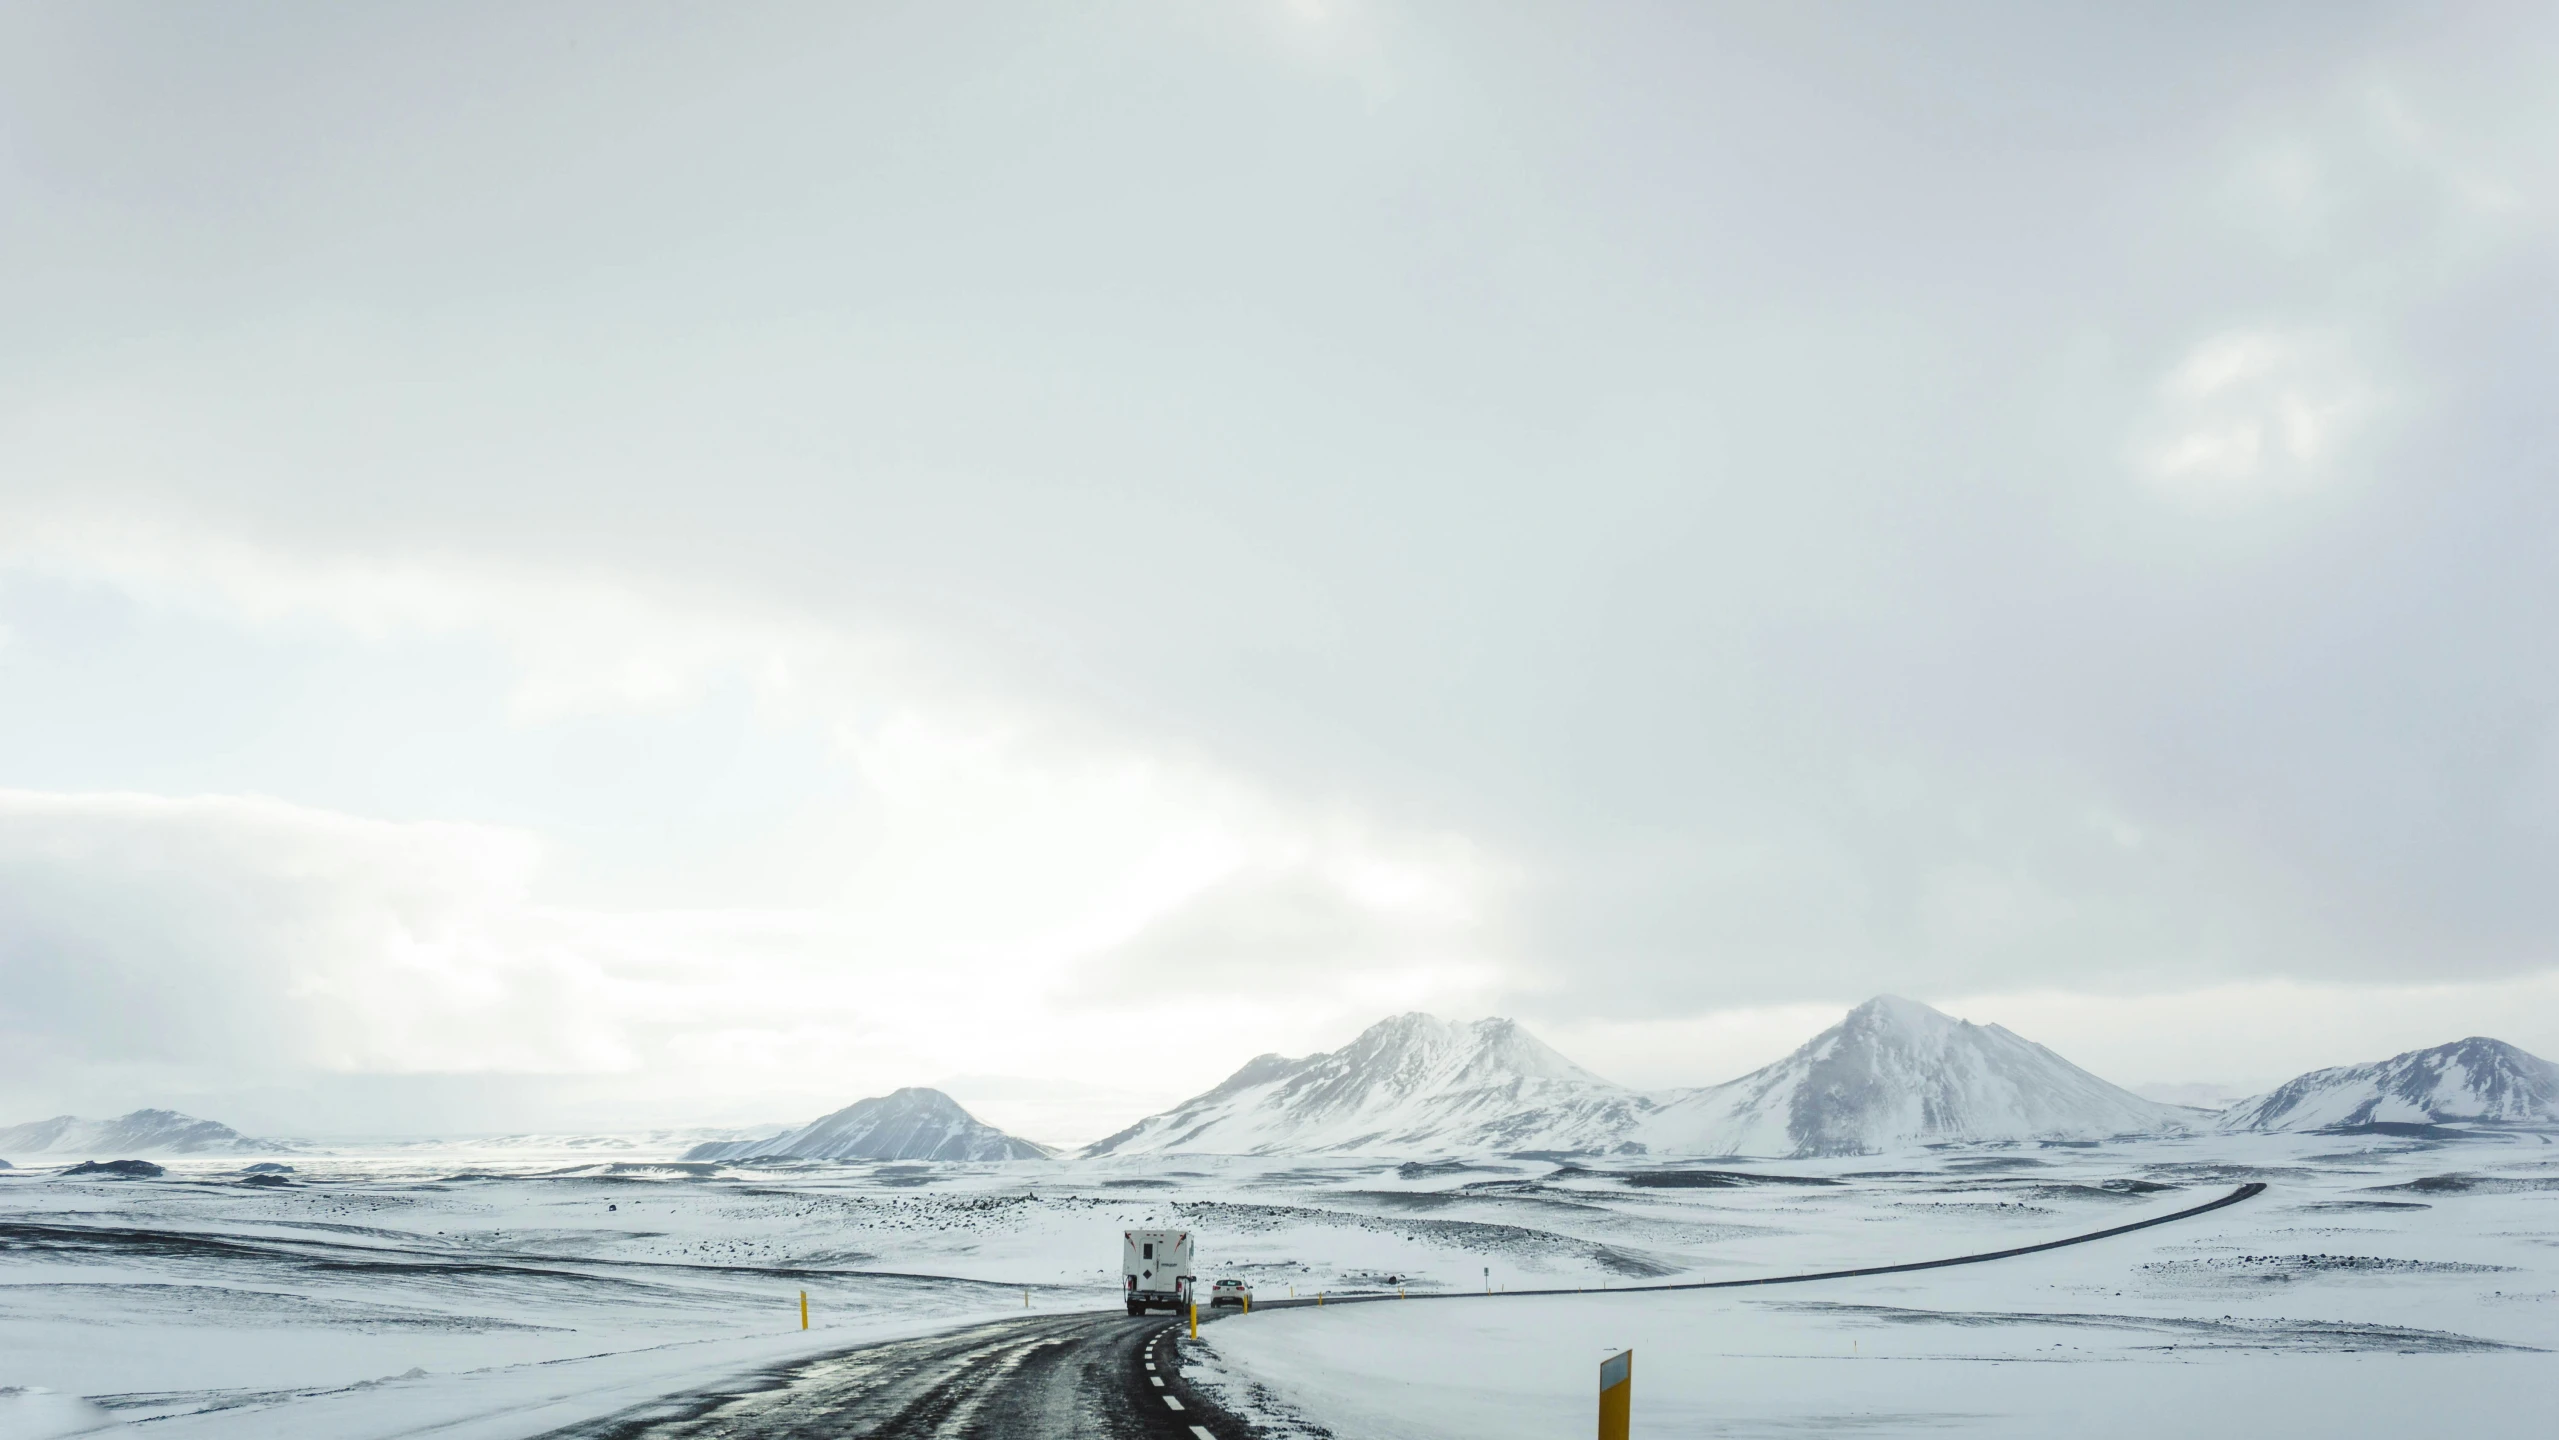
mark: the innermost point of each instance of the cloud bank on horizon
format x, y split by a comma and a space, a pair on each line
573, 567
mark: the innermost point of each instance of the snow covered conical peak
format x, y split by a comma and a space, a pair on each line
1507, 1045
1894, 1072
923, 1100
2471, 1079
1893, 1014
1420, 1051
913, 1123
1401, 1039
1917, 1034
1410, 1084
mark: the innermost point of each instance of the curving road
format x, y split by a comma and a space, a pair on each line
1102, 1374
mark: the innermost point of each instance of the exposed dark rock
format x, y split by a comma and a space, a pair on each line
124, 1169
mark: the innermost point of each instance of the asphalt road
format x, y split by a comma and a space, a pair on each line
1102, 1374
1105, 1375
2249, 1191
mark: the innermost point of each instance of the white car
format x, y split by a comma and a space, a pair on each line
1230, 1292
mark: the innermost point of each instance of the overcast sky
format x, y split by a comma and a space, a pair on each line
624, 565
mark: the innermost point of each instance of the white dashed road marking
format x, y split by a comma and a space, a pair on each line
1158, 1379
1171, 1403
1202, 1432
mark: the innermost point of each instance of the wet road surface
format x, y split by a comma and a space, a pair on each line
1104, 1374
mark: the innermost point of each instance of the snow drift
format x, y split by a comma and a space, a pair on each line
144, 1132
2473, 1079
1411, 1085
1897, 1073
910, 1124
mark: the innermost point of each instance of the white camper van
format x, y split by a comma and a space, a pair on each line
1155, 1268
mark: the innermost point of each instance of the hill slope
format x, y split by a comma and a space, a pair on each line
1411, 1085
1896, 1073
143, 1132
2473, 1079
910, 1124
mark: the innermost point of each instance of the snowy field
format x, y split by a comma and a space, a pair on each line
495, 1294
2381, 1286
2377, 1288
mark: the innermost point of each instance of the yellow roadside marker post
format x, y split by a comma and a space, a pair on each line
1195, 1319
804, 1309
1616, 1387
1248, 1302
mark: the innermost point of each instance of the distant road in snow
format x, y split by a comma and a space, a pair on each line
2248, 1191
1102, 1374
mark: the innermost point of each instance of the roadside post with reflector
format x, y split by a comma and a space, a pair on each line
1616, 1387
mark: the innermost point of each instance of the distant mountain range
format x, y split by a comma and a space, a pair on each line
1891, 1074
1894, 1072
144, 1132
2477, 1079
909, 1124
608, 1144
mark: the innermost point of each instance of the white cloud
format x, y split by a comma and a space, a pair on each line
579, 643
2242, 1037
974, 882
1709, 1048
2251, 415
225, 931
2256, 1034
212, 940
1322, 622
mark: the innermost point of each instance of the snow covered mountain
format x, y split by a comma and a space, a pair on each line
566, 1144
1897, 1073
910, 1124
2193, 1094
144, 1132
2473, 1079
1411, 1085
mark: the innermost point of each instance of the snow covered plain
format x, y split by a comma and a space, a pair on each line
498, 1293
2380, 1286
